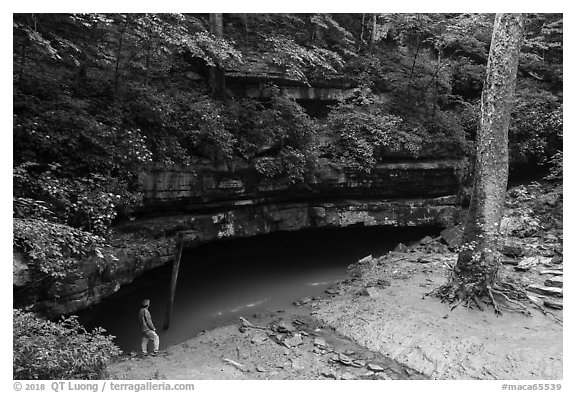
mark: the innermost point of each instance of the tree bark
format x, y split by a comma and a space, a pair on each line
478, 261
119, 56
362, 32
147, 66
373, 33
22, 60
217, 75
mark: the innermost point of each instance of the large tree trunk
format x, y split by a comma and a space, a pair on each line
478, 262
217, 76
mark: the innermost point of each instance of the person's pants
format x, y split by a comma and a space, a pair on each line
150, 335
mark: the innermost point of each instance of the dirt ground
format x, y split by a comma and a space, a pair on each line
375, 325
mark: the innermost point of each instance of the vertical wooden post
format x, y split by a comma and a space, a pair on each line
175, 268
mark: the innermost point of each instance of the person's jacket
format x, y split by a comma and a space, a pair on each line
145, 320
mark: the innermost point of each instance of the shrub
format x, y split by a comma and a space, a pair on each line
54, 249
64, 350
535, 128
359, 126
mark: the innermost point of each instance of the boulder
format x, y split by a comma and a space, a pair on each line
512, 248
452, 236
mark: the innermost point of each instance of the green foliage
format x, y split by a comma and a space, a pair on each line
54, 249
556, 167
297, 60
536, 127
62, 350
361, 127
90, 204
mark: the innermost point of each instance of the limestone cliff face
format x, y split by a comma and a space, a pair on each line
212, 186
215, 203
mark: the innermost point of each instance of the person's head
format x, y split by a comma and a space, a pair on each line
146, 303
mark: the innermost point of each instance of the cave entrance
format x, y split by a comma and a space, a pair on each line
221, 281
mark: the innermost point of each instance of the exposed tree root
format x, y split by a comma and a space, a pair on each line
500, 296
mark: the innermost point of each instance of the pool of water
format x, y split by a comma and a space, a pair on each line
222, 281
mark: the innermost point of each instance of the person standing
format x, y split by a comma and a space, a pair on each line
148, 329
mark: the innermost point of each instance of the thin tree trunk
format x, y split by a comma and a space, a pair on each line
217, 75
174, 278
22, 61
478, 263
147, 64
118, 57
362, 32
373, 33
245, 20
415, 58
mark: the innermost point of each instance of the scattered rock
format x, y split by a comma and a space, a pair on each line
333, 290
548, 291
426, 240
303, 301
527, 263
383, 283
552, 303
358, 363
259, 338
512, 248
423, 259
512, 225
557, 281
319, 342
329, 374
374, 367
293, 341
283, 326
348, 376
536, 299
510, 261
401, 247
370, 292
548, 253
556, 260
239, 366
452, 237
366, 260
345, 360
